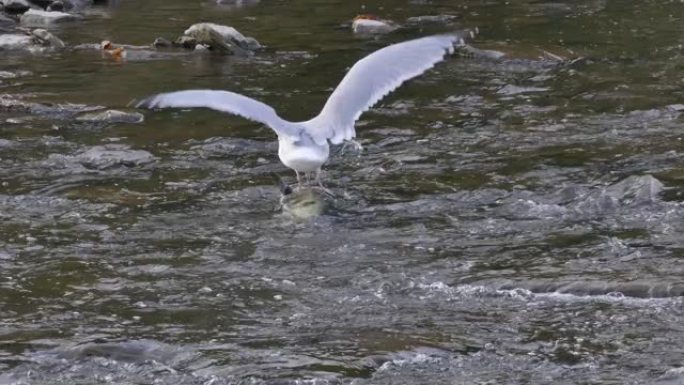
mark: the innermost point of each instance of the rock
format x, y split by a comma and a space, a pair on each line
35, 18
113, 155
41, 3
47, 39
6, 23
636, 189
15, 41
369, 24
160, 42
111, 116
76, 5
186, 42
56, 6
221, 38
431, 19
16, 6
511, 89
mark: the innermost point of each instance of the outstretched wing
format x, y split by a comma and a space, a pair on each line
373, 77
224, 101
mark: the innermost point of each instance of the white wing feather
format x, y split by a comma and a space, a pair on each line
373, 77
224, 101
368, 81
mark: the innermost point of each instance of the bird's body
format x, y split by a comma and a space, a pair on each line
304, 146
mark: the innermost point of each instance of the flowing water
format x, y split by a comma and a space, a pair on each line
510, 221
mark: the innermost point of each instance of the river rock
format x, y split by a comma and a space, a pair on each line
111, 116
47, 39
56, 6
371, 25
431, 20
221, 38
76, 5
113, 155
15, 6
15, 41
6, 23
36, 18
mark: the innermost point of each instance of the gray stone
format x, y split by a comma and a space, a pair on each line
15, 41
111, 116
35, 18
16, 6
47, 39
431, 19
76, 5
56, 6
41, 3
186, 42
113, 155
6, 23
160, 42
221, 38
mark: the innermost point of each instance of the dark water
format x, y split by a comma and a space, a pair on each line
513, 221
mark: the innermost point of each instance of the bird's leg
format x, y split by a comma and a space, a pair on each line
320, 184
299, 179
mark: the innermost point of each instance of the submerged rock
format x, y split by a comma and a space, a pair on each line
431, 19
77, 5
217, 37
636, 189
56, 6
113, 155
111, 116
36, 18
303, 203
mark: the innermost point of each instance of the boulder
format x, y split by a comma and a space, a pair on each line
431, 19
47, 39
56, 6
16, 6
36, 18
221, 38
41, 3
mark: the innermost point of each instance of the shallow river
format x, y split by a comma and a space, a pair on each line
509, 221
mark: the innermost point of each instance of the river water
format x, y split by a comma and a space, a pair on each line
509, 221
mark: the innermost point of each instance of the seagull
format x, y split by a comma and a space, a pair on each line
304, 146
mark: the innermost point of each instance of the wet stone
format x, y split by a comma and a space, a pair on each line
113, 155
111, 116
219, 37
16, 6
36, 18
15, 42
431, 19
47, 39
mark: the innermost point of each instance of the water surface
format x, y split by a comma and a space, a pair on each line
513, 221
